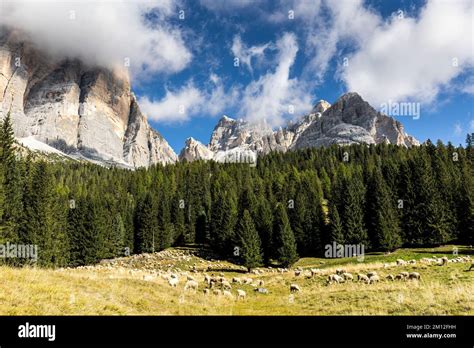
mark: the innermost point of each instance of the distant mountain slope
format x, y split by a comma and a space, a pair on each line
351, 120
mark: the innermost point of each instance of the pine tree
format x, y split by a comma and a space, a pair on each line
353, 208
250, 245
11, 185
285, 240
383, 219
336, 233
147, 232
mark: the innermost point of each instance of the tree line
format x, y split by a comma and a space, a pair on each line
290, 205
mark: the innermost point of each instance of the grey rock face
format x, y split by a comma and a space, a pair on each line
75, 108
195, 150
351, 120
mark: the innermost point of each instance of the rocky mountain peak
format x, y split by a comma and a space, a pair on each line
75, 108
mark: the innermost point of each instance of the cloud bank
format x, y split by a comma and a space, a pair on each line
104, 33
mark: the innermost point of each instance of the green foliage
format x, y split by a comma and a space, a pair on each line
249, 242
290, 204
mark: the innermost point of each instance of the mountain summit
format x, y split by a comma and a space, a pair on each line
80, 110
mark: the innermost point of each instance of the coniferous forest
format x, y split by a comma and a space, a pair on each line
289, 205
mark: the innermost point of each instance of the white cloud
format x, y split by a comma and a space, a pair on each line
458, 129
176, 106
413, 58
274, 94
179, 106
103, 33
245, 54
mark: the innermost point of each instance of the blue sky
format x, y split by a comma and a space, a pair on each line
446, 110
181, 56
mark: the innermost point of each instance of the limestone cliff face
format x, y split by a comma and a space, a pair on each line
350, 120
75, 108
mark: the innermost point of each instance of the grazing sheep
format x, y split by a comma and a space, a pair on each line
348, 276
371, 274
472, 266
401, 262
404, 274
247, 280
414, 275
261, 290
241, 294
190, 278
334, 278
399, 277
444, 261
226, 285
412, 262
340, 271
260, 283
217, 292
191, 284
308, 275
374, 279
362, 278
206, 291
173, 282
148, 278
294, 288
227, 293
236, 280
207, 279
297, 273
315, 271
390, 277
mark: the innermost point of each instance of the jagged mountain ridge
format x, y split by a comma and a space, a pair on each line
350, 120
86, 111
91, 113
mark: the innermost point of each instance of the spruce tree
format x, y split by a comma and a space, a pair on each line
249, 241
383, 224
285, 240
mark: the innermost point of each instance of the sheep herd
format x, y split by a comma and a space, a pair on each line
237, 287
218, 285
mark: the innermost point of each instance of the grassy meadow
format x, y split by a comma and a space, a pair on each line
121, 289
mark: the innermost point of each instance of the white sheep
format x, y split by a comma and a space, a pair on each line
348, 276
390, 277
335, 278
217, 292
173, 282
226, 285
370, 274
236, 280
401, 262
294, 288
297, 273
414, 275
444, 261
241, 294
362, 278
374, 279
227, 293
206, 291
191, 284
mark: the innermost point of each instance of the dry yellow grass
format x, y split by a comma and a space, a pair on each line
447, 290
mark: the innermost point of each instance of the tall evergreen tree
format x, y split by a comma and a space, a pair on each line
285, 240
249, 242
383, 221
